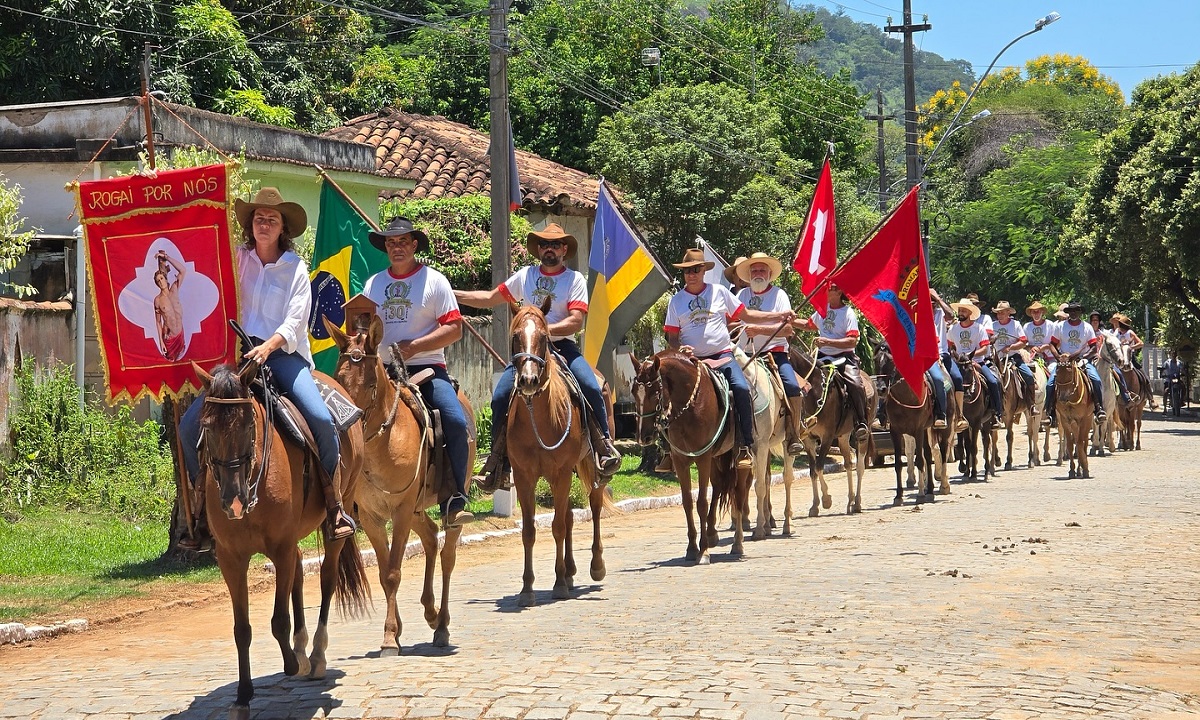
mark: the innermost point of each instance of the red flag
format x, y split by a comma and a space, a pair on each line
887, 282
816, 251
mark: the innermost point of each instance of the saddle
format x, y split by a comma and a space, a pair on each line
288, 419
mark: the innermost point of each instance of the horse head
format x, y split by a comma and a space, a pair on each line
530, 341
885, 368
646, 389
229, 435
358, 367
1110, 350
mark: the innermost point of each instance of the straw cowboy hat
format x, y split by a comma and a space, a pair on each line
1061, 312
294, 218
773, 265
1122, 319
396, 228
1003, 306
551, 232
730, 272
966, 304
1035, 305
692, 258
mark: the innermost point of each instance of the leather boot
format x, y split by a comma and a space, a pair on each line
608, 459
1031, 388
489, 478
338, 523
1098, 409
795, 411
1051, 406
456, 513
960, 422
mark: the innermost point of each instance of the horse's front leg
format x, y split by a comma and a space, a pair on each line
233, 570
739, 503
561, 527
703, 478
683, 473
286, 561
898, 462
853, 498
525, 496
762, 491
375, 528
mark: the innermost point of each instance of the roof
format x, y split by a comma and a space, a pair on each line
449, 159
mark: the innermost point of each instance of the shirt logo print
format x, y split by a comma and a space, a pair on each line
543, 288
397, 307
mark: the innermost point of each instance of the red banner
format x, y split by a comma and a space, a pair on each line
160, 266
816, 250
887, 282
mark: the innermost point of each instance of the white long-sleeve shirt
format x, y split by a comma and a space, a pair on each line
275, 298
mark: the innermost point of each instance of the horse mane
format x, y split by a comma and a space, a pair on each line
225, 384
556, 386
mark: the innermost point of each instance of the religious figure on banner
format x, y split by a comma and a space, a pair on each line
167, 307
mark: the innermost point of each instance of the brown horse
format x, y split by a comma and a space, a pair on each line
678, 395
397, 489
1018, 403
549, 439
1073, 395
977, 411
264, 496
908, 416
1131, 414
827, 420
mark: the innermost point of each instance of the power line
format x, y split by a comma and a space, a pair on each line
82, 24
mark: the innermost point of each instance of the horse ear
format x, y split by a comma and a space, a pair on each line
248, 372
205, 378
546, 304
513, 308
374, 334
341, 339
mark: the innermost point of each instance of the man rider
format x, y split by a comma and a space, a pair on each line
837, 338
1076, 339
969, 338
1008, 338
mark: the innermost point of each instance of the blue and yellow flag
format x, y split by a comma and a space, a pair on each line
624, 280
342, 261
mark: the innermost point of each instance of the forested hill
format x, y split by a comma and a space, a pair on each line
872, 59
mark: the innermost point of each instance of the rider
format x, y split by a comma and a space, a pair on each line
421, 317
275, 297
1171, 370
984, 319
1076, 338
1122, 327
567, 291
943, 316
1008, 338
1037, 333
968, 337
758, 273
697, 323
837, 338
731, 275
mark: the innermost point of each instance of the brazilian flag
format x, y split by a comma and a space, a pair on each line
342, 261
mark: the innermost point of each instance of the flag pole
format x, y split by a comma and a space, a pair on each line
495, 355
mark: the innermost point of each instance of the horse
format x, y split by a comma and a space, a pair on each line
828, 419
550, 439
397, 456
1131, 414
1019, 402
1107, 361
977, 411
679, 396
263, 496
1073, 395
770, 437
908, 417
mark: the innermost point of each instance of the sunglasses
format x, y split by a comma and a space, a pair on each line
550, 244
697, 269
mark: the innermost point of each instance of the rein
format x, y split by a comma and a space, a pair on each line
356, 355
543, 366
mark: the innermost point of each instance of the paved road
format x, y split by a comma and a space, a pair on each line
1031, 596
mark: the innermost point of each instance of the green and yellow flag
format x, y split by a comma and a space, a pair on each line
342, 261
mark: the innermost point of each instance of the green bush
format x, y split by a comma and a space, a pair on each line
81, 458
483, 429
545, 497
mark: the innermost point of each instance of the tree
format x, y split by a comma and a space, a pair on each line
1137, 227
14, 242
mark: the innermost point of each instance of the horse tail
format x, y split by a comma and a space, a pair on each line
352, 590
724, 484
586, 471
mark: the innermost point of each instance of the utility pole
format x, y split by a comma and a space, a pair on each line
880, 157
500, 171
911, 161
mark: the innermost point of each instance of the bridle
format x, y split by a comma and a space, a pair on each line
522, 356
247, 459
356, 355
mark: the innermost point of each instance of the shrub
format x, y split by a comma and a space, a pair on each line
483, 429
63, 455
545, 497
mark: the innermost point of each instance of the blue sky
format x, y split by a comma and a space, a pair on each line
1128, 41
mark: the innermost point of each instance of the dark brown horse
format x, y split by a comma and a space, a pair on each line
1073, 395
677, 395
1131, 413
1019, 402
549, 438
909, 416
977, 411
263, 496
396, 488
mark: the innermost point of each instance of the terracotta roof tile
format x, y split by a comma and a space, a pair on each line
448, 159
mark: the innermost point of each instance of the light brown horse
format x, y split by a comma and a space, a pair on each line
677, 395
828, 420
1073, 395
263, 496
548, 438
396, 490
908, 416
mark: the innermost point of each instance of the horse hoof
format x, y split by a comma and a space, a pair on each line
526, 599
930, 497
704, 560
911, 484
291, 666
562, 592
692, 554
813, 511
1008, 466
827, 502
897, 501
303, 665
441, 637
389, 651
239, 712
598, 571
737, 552
1071, 474
318, 671
1086, 475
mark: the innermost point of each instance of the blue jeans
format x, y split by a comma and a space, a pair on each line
993, 384
293, 375
743, 407
955, 373
1025, 370
787, 373
439, 394
502, 394
939, 390
1092, 374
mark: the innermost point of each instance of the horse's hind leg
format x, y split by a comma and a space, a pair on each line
898, 460
329, 577
854, 498
437, 617
299, 629
789, 475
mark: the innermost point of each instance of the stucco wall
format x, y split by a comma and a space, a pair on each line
39, 331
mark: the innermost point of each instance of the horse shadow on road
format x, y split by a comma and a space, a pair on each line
510, 604
304, 699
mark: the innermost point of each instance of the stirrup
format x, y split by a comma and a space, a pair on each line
457, 518
939, 423
745, 458
862, 433
340, 526
608, 459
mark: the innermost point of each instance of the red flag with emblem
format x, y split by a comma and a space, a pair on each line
816, 249
888, 283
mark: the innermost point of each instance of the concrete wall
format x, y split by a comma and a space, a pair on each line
40, 331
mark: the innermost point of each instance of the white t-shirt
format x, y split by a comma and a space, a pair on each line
412, 306
1070, 338
1005, 334
566, 288
1125, 336
939, 325
966, 340
1039, 334
702, 321
985, 321
837, 325
773, 299
275, 298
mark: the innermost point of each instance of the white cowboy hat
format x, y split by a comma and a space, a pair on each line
774, 266
965, 303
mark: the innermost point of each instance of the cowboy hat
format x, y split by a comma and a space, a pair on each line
1072, 305
550, 233
1035, 305
1121, 318
692, 258
295, 220
1003, 306
965, 303
1059, 314
398, 227
774, 267
730, 272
